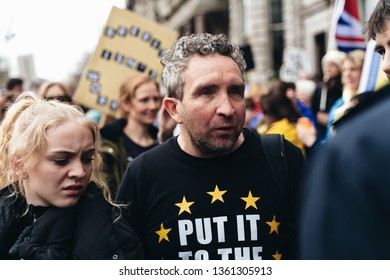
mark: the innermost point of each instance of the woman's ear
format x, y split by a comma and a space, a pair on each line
172, 106
125, 107
17, 167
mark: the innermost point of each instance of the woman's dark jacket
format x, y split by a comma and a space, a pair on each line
84, 231
115, 154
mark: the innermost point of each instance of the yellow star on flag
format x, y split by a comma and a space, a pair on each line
250, 200
163, 233
217, 194
277, 256
184, 205
274, 226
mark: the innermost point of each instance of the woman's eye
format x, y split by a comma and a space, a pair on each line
60, 162
87, 159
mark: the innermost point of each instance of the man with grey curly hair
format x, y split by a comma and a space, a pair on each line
209, 192
175, 60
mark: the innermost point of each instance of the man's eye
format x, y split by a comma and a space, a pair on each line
205, 92
237, 92
380, 51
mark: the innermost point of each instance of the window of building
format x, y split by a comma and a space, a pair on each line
277, 32
247, 18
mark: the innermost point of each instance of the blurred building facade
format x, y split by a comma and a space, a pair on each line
263, 28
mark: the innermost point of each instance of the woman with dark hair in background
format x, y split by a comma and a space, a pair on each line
280, 115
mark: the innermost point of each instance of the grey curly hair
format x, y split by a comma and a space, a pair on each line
175, 60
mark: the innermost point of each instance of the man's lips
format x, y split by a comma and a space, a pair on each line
224, 128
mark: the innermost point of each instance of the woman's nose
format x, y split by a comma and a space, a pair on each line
77, 169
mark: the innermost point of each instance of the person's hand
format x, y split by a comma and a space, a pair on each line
306, 132
322, 118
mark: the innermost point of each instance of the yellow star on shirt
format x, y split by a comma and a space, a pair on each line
184, 205
250, 200
274, 226
277, 256
163, 233
216, 194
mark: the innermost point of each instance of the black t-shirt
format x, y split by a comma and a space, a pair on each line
133, 149
183, 207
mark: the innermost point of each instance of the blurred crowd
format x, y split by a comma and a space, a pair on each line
157, 155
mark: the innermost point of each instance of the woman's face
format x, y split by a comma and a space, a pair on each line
330, 70
54, 91
61, 176
351, 73
145, 104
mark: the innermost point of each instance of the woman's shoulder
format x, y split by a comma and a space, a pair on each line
8, 199
5, 191
116, 238
113, 130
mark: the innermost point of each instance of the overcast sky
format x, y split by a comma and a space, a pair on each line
58, 33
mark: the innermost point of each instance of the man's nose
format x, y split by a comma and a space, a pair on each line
386, 63
225, 106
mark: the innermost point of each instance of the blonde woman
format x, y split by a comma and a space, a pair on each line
135, 132
351, 71
54, 202
55, 90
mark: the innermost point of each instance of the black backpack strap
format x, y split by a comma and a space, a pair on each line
274, 150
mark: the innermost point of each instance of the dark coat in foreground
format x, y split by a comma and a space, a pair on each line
345, 207
88, 230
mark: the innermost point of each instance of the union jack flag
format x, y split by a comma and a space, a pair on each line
349, 28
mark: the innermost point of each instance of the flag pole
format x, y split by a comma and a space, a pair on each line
337, 10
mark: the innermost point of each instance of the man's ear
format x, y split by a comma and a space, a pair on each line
171, 106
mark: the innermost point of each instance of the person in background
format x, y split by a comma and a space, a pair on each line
14, 87
307, 126
280, 114
135, 132
304, 90
351, 69
303, 109
328, 91
251, 113
344, 203
209, 193
54, 202
253, 93
55, 90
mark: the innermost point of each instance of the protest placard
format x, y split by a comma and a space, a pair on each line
129, 44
